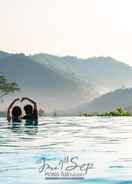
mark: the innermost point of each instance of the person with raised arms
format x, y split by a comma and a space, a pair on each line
16, 114
31, 112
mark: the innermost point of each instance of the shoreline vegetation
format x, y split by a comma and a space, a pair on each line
117, 112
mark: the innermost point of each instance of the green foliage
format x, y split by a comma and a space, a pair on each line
7, 87
118, 112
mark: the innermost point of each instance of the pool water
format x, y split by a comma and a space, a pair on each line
104, 142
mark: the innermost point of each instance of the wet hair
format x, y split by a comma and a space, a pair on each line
28, 109
16, 111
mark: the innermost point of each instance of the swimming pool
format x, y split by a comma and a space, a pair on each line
104, 142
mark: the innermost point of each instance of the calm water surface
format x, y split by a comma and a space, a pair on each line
105, 142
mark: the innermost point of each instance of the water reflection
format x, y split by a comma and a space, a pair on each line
31, 130
17, 127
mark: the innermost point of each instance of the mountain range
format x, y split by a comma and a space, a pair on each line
37, 81
64, 82
102, 73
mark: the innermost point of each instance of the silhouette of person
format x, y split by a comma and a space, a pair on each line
31, 112
16, 114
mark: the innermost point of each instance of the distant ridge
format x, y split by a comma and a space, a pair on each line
103, 73
64, 82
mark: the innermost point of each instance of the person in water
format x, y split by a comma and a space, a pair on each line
16, 114
31, 112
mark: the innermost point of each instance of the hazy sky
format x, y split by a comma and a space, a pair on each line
82, 28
